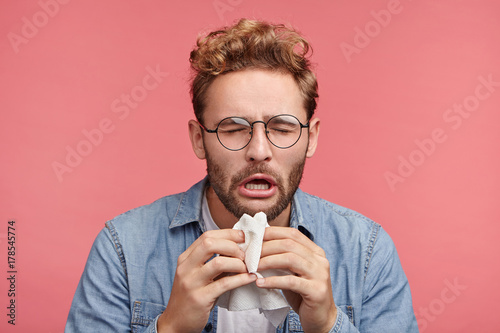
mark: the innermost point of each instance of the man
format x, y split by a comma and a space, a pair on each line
162, 267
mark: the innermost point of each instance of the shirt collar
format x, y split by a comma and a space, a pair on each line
301, 216
189, 209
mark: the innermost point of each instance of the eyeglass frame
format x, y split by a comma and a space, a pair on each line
216, 130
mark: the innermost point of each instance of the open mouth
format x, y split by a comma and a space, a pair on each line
258, 186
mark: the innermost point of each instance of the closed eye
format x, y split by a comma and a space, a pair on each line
282, 130
234, 130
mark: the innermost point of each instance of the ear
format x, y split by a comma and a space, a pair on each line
313, 136
196, 136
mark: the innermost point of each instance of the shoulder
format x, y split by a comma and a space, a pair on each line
326, 214
339, 227
154, 227
152, 216
138, 231
162, 214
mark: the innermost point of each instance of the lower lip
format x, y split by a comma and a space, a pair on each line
257, 193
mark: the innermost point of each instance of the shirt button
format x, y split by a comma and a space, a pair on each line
208, 327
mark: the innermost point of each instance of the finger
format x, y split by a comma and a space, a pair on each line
218, 265
229, 282
278, 246
273, 233
288, 261
209, 247
314, 294
230, 234
288, 254
287, 282
214, 242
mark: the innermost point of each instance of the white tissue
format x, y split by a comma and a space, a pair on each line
269, 301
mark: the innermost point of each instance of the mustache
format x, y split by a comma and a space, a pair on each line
247, 172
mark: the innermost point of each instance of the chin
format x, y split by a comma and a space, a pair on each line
259, 207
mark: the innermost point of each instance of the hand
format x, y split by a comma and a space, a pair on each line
198, 283
309, 289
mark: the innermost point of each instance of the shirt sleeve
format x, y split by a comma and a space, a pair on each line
387, 304
101, 302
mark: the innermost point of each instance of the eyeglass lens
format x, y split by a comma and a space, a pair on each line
235, 133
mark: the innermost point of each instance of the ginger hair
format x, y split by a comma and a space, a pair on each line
252, 44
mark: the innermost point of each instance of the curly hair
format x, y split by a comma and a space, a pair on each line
252, 44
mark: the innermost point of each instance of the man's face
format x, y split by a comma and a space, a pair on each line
260, 177
250, 200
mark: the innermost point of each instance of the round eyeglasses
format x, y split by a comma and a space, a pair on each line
235, 133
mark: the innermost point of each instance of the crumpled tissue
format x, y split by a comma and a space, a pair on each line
269, 301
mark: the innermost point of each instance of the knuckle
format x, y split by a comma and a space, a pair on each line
179, 271
295, 233
324, 262
224, 283
325, 275
207, 243
183, 284
181, 258
217, 263
321, 252
292, 281
203, 236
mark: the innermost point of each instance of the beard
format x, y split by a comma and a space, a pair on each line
217, 178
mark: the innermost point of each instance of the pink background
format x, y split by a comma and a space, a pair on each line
385, 84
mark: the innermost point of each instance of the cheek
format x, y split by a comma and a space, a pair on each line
293, 155
226, 159
286, 162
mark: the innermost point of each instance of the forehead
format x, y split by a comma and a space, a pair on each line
254, 95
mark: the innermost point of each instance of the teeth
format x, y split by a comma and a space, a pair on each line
256, 186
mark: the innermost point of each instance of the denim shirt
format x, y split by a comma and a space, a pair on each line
130, 270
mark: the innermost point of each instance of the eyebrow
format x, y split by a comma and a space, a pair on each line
252, 119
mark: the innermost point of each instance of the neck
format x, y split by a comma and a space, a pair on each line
226, 220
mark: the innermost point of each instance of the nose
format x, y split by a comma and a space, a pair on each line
259, 149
